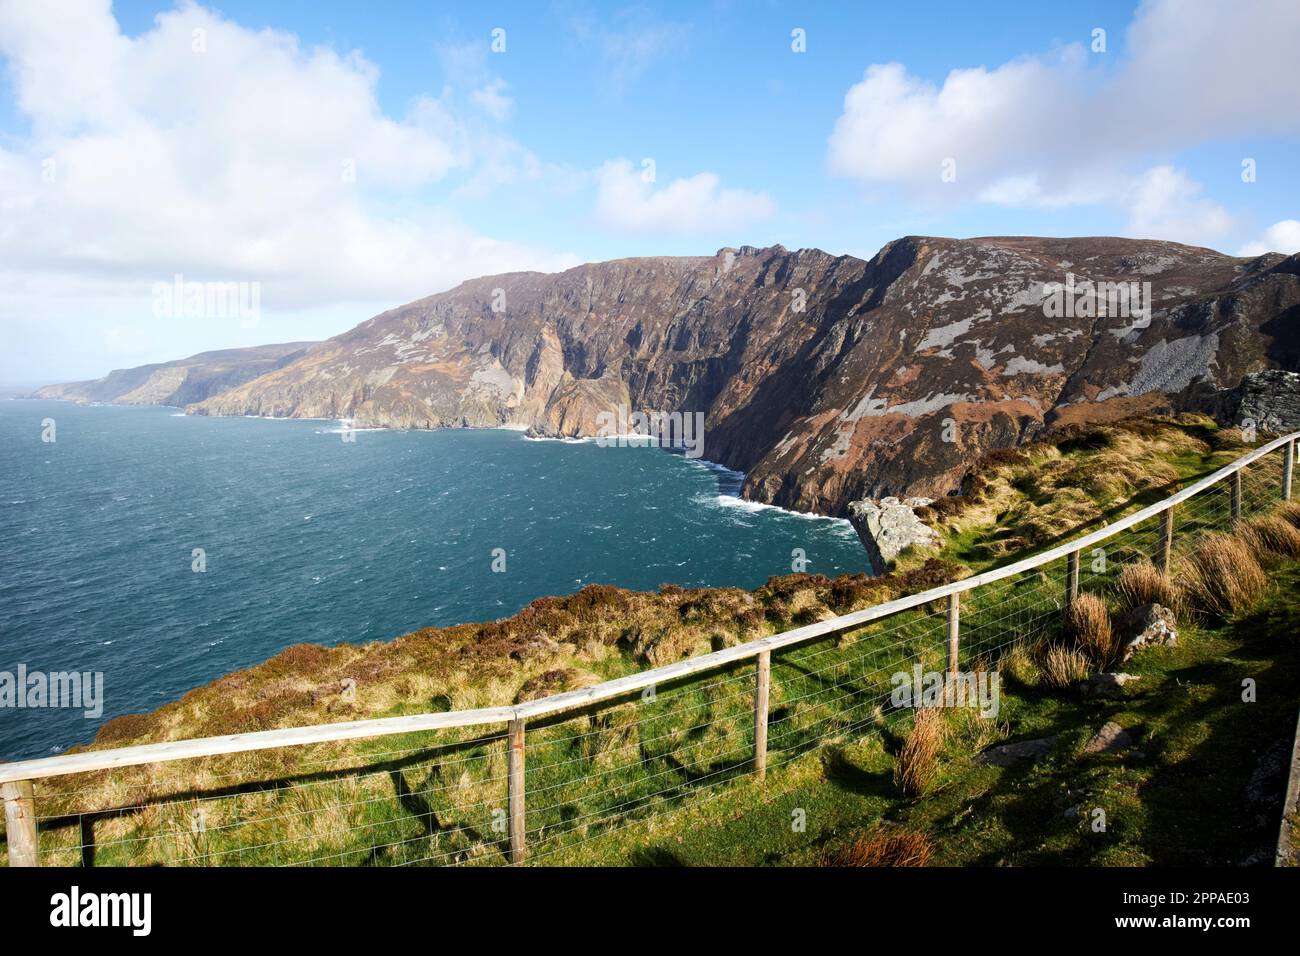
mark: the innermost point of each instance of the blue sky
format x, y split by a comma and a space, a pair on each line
345, 158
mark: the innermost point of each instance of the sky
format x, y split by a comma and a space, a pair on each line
327, 161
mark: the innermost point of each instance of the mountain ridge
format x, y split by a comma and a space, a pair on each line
825, 378
179, 382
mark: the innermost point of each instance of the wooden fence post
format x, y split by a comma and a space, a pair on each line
1166, 539
954, 627
762, 687
1236, 496
1072, 578
20, 823
515, 774
1287, 469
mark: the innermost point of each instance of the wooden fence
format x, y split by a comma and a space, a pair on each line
16, 779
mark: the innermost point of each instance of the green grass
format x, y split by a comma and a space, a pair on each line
667, 779
1182, 801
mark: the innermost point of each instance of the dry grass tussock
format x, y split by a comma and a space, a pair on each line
918, 759
1220, 577
1061, 666
886, 846
1270, 536
1143, 583
1088, 625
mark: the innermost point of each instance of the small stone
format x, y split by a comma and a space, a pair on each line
1107, 686
1111, 738
1005, 755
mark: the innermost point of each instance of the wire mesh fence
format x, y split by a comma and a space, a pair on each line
441, 797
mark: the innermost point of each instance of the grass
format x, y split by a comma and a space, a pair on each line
918, 759
639, 782
1142, 583
1221, 577
1270, 535
1062, 667
1087, 623
1076, 479
886, 846
1179, 798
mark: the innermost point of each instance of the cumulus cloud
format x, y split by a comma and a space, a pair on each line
896, 127
1283, 237
1070, 128
1165, 203
224, 153
628, 200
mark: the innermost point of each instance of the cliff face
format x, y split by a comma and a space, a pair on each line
893, 377
181, 382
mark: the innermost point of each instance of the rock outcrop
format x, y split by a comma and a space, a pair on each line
1268, 400
826, 379
889, 526
181, 382
1148, 625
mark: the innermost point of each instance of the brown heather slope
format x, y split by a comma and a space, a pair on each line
552, 645
845, 399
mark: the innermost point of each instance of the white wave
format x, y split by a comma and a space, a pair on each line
754, 507
566, 441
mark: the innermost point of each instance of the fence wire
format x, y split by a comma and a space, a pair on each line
440, 797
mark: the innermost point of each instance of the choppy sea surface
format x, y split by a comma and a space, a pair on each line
308, 537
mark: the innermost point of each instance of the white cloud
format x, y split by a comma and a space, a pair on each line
895, 127
493, 100
1283, 237
627, 44
1164, 203
627, 201
1070, 128
251, 158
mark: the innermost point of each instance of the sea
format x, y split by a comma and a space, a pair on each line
161, 551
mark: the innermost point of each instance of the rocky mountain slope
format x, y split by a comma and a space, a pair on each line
825, 378
181, 382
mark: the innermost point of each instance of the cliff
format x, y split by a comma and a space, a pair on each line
825, 378
180, 382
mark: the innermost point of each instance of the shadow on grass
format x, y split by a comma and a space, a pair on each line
410, 801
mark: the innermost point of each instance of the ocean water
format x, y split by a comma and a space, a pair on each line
308, 537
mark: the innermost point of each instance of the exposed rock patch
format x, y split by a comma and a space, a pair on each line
889, 526
1270, 399
1145, 626
1112, 738
1107, 686
1004, 755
